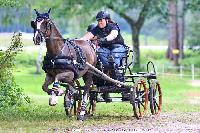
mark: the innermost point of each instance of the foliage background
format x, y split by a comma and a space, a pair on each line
11, 94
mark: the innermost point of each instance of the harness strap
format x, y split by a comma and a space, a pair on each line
81, 59
60, 62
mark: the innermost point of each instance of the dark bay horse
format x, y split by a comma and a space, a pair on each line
76, 52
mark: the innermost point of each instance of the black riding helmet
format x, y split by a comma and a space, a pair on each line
91, 27
102, 15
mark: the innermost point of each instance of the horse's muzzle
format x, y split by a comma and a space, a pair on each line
37, 40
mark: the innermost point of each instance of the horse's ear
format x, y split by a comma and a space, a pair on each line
49, 11
37, 12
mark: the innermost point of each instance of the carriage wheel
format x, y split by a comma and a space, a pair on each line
68, 105
92, 103
139, 98
155, 96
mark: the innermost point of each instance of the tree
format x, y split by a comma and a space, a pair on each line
181, 28
173, 32
177, 11
9, 3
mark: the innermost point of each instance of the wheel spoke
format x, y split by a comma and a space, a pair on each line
142, 105
143, 94
154, 92
155, 106
139, 110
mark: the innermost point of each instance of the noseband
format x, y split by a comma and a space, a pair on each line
48, 28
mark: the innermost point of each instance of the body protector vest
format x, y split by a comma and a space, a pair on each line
106, 31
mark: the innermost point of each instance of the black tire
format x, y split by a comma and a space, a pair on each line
92, 103
139, 98
155, 97
66, 103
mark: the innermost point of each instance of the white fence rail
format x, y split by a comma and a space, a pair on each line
179, 71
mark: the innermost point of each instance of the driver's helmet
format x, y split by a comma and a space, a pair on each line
91, 27
102, 15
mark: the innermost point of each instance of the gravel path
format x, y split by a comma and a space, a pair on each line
174, 123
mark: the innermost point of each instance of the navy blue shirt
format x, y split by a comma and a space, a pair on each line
103, 32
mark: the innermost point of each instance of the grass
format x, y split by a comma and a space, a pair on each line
39, 117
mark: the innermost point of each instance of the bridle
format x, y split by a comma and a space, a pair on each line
37, 30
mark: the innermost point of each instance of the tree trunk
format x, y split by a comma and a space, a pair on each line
136, 44
181, 29
173, 32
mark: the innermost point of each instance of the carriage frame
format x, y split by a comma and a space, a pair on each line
142, 88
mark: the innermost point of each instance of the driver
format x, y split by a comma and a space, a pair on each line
109, 40
108, 37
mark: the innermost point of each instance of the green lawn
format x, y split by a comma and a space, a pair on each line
39, 117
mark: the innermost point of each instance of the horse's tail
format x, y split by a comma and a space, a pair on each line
100, 74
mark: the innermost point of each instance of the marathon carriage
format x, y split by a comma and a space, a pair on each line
136, 88
67, 60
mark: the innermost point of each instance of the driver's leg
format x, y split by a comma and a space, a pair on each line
118, 53
103, 54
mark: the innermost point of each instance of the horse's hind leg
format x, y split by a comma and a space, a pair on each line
88, 81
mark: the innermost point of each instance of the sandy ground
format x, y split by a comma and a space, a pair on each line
174, 123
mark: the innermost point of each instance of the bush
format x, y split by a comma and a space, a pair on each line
10, 93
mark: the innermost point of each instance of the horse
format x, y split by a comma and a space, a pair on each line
65, 59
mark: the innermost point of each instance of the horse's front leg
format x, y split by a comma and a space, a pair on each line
48, 80
66, 77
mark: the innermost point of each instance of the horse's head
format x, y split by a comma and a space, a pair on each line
41, 26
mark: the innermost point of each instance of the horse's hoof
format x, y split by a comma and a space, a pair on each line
52, 104
81, 117
53, 100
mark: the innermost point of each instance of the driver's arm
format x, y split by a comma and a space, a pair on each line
113, 34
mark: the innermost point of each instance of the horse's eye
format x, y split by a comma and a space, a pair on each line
33, 25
